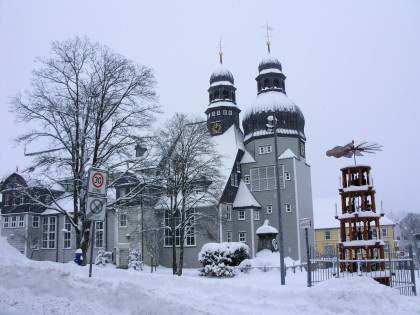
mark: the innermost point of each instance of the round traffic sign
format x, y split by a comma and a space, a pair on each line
95, 206
98, 180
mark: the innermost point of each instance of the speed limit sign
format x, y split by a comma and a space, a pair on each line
97, 181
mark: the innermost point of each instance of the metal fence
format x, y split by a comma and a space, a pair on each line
399, 271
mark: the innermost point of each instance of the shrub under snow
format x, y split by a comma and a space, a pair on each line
133, 260
218, 259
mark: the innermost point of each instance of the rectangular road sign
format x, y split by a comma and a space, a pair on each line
305, 223
97, 182
95, 208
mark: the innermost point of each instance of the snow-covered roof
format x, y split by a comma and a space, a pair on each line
287, 154
221, 83
357, 188
244, 198
324, 213
363, 243
279, 131
271, 101
266, 228
247, 158
222, 103
270, 71
227, 144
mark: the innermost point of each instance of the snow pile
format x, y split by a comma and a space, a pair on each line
32, 288
266, 228
267, 258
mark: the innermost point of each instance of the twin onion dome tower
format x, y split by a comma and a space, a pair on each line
223, 111
248, 166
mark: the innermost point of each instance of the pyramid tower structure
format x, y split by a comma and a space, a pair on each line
360, 231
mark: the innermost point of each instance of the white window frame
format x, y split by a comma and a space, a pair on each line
99, 234
190, 235
7, 200
230, 112
256, 215
67, 235
49, 224
5, 222
224, 112
234, 179
241, 215
229, 212
247, 179
327, 235
287, 176
123, 220
269, 209
288, 207
268, 149
264, 178
229, 236
36, 221
22, 199
261, 149
213, 114
242, 237
384, 234
13, 223
21, 221
218, 113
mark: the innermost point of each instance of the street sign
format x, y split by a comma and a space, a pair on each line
95, 208
97, 181
305, 223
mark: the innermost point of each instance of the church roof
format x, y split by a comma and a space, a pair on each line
287, 154
244, 198
221, 74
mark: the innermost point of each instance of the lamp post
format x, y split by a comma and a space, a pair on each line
271, 126
64, 242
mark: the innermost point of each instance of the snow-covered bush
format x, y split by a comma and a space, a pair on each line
101, 260
218, 259
133, 260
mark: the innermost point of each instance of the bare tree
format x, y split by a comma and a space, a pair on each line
190, 175
411, 224
89, 107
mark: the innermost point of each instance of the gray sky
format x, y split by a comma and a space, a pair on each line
353, 68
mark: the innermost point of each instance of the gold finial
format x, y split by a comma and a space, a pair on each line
220, 51
268, 28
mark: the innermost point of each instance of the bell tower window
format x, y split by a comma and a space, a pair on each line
216, 94
276, 83
225, 94
266, 83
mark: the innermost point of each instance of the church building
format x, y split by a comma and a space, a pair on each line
249, 196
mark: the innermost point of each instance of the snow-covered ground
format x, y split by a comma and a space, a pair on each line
29, 287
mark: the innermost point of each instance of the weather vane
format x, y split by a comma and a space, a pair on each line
351, 149
268, 29
220, 51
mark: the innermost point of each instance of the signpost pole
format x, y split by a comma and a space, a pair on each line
92, 243
308, 257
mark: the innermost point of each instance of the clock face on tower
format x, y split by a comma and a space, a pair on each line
302, 148
216, 127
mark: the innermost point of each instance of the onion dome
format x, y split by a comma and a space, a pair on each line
221, 74
272, 100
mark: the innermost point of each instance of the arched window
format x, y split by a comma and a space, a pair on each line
233, 96
225, 94
276, 83
216, 94
266, 83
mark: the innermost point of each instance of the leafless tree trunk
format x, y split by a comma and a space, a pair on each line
89, 107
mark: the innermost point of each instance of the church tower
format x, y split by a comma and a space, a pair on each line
222, 111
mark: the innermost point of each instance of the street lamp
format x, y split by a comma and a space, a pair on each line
272, 127
64, 242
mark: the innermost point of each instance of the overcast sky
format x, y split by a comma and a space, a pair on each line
353, 68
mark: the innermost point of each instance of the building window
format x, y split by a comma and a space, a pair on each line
234, 179
238, 167
246, 179
229, 236
241, 215
5, 222
268, 149
7, 200
22, 199
67, 234
256, 215
242, 237
269, 209
327, 235
230, 112
189, 229
384, 232
229, 212
288, 207
213, 113
99, 234
47, 199
35, 221
123, 220
261, 149
287, 175
13, 223
398, 238
224, 112
21, 221
263, 178
48, 232
374, 233
14, 200
218, 113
